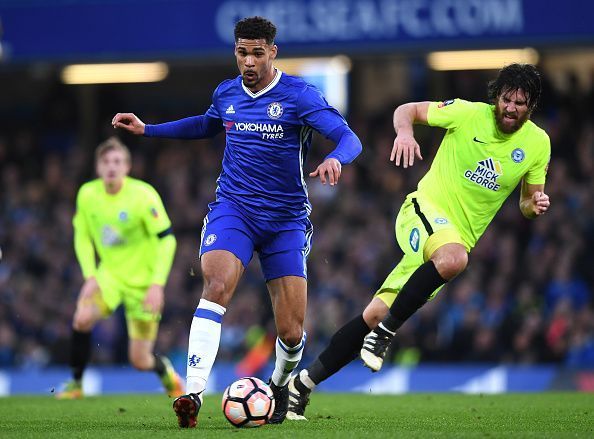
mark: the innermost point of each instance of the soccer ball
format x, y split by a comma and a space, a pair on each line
248, 402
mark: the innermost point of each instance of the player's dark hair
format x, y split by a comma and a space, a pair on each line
113, 143
514, 77
255, 28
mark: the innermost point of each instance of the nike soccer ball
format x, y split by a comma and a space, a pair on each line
248, 402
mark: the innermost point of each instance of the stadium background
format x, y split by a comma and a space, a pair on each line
526, 302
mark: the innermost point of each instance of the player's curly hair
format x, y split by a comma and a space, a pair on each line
255, 28
514, 77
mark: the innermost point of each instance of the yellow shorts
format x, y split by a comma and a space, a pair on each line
421, 228
142, 324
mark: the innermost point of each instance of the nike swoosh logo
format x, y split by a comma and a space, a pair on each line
478, 141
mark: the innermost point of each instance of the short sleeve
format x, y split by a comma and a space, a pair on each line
450, 114
154, 213
537, 173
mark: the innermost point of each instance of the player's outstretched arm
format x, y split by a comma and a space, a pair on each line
405, 146
194, 127
533, 201
129, 122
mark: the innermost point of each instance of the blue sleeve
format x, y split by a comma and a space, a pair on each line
313, 110
348, 145
195, 127
316, 112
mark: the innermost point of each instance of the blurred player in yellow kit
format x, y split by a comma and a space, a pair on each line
123, 220
487, 151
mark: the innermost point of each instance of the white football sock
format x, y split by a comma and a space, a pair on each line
205, 336
287, 359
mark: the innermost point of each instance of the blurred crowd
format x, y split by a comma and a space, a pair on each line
526, 298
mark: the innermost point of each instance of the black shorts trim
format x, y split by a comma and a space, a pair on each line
165, 233
421, 215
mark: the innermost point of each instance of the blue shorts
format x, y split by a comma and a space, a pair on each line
283, 246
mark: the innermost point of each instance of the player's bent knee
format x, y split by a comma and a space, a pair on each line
216, 291
459, 262
452, 263
372, 319
375, 312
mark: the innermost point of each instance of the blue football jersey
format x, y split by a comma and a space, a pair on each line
268, 134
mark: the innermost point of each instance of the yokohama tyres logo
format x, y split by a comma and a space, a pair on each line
268, 130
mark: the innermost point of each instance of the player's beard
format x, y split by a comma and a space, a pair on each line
511, 127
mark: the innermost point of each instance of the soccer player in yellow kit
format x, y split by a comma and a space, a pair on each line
486, 152
123, 220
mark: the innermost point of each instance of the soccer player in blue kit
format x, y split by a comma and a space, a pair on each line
261, 201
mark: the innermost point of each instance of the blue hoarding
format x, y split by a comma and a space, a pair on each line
470, 379
64, 30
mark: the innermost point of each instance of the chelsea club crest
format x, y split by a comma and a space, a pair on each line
275, 110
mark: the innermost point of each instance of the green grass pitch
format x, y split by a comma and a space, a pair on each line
536, 415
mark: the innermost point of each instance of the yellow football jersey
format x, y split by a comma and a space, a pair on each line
476, 166
123, 229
